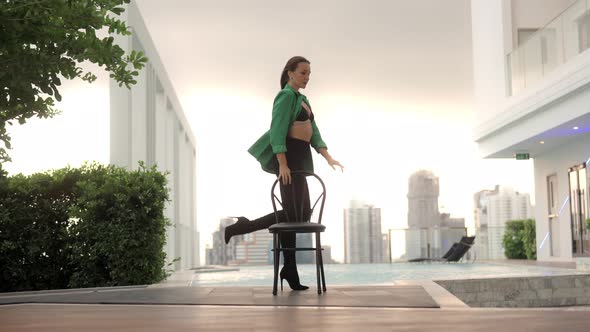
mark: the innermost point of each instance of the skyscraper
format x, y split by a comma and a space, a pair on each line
430, 234
221, 253
493, 209
480, 203
255, 248
363, 242
423, 193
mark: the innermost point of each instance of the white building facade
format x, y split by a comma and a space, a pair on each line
148, 124
254, 249
496, 207
363, 241
532, 89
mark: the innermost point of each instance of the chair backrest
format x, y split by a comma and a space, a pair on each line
468, 240
300, 207
451, 250
459, 249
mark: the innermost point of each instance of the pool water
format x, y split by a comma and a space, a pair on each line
377, 274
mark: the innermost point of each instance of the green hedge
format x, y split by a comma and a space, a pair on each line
520, 239
88, 227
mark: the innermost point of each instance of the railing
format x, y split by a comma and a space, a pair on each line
555, 44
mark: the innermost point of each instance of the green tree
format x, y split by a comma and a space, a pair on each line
43, 41
520, 239
512, 242
529, 239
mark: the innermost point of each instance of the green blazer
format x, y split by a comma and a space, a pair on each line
286, 108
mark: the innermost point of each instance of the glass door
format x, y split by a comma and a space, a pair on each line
553, 215
579, 210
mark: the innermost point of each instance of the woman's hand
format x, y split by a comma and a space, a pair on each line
285, 174
284, 171
333, 163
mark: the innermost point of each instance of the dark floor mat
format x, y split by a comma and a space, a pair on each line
358, 296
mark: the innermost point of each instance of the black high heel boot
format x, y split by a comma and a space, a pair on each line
289, 272
245, 225
240, 227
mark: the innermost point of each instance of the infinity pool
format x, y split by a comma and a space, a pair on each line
377, 274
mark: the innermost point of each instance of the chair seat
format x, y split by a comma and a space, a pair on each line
299, 227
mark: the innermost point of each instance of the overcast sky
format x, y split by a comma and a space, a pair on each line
391, 87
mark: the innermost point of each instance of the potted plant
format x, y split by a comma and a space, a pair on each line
588, 224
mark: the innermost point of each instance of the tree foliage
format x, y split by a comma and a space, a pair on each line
520, 239
44, 41
92, 226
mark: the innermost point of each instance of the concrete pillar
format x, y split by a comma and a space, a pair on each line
492, 40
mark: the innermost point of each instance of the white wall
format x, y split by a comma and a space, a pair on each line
490, 35
557, 162
534, 14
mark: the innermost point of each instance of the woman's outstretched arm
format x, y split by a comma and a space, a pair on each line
331, 161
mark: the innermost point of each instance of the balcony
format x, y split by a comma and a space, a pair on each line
555, 44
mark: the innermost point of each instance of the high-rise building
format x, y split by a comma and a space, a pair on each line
363, 242
492, 210
423, 194
255, 249
305, 240
221, 253
386, 248
480, 215
327, 255
430, 234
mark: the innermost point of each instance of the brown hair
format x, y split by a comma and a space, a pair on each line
291, 66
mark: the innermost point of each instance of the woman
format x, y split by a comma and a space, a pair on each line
283, 149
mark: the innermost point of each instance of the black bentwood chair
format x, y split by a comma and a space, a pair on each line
295, 217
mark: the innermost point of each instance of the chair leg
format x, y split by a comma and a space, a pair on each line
317, 262
276, 257
319, 245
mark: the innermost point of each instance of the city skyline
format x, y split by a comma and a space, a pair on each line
448, 228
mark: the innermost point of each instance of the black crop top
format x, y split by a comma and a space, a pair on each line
304, 116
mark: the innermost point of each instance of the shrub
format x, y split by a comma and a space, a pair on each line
88, 227
34, 241
529, 239
121, 226
520, 239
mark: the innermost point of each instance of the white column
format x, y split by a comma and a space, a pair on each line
139, 119
160, 131
120, 114
171, 151
150, 111
182, 216
193, 206
492, 39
